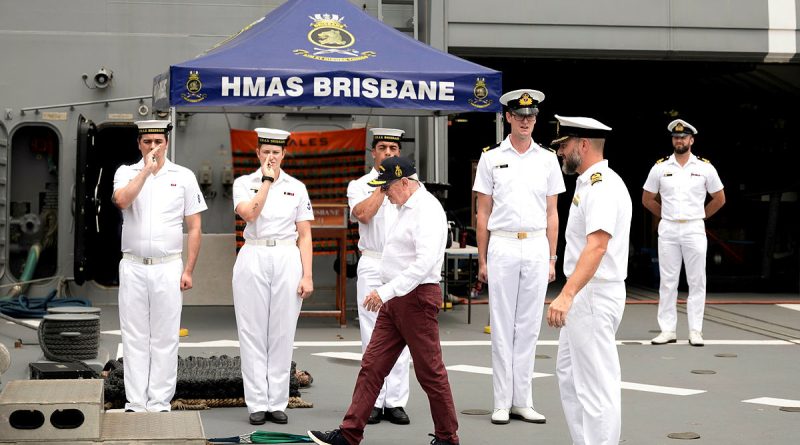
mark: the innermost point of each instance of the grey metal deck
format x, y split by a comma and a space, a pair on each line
764, 371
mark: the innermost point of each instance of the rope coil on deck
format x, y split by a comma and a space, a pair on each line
69, 337
203, 383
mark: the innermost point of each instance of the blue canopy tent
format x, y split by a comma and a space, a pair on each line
313, 56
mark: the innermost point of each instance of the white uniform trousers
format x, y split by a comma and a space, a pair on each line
517, 273
394, 392
265, 281
682, 242
588, 364
150, 302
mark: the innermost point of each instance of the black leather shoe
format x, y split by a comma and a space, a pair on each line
279, 417
258, 418
397, 416
129, 411
437, 441
375, 416
328, 437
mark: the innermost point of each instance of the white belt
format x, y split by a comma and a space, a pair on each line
372, 254
682, 221
150, 260
271, 242
518, 235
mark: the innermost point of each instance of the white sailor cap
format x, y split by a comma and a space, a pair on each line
272, 136
680, 127
386, 134
582, 127
522, 102
154, 127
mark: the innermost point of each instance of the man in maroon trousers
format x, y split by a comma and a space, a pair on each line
408, 304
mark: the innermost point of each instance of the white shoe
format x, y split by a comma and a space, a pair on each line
664, 337
696, 338
500, 417
527, 415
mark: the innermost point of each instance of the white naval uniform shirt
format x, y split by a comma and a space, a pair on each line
373, 234
601, 202
683, 188
519, 185
153, 223
414, 249
287, 203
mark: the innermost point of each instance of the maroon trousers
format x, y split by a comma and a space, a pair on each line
407, 320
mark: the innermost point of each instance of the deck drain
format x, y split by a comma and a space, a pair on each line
703, 371
654, 331
476, 412
725, 354
631, 343
542, 356
685, 436
790, 409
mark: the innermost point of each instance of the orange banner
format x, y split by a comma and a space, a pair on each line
325, 161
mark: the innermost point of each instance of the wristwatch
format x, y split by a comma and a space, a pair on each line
267, 178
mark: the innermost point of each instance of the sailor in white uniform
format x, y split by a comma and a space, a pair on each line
156, 197
271, 277
682, 180
375, 215
589, 307
517, 182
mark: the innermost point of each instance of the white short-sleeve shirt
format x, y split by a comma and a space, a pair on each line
519, 185
371, 236
152, 226
287, 203
683, 189
601, 202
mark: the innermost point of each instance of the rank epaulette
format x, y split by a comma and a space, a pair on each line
491, 147
662, 159
704, 160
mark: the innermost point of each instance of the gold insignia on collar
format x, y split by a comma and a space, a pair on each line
398, 171
526, 99
596, 177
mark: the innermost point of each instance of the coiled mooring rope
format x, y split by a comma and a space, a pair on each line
69, 337
203, 383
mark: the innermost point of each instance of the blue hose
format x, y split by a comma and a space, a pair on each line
24, 307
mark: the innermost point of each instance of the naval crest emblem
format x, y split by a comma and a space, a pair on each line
332, 41
193, 88
481, 93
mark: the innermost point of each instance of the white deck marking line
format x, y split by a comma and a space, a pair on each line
327, 344
116, 332
356, 356
661, 389
771, 401
625, 385
29, 322
347, 344
484, 370
794, 307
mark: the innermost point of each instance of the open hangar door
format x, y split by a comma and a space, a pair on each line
748, 125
